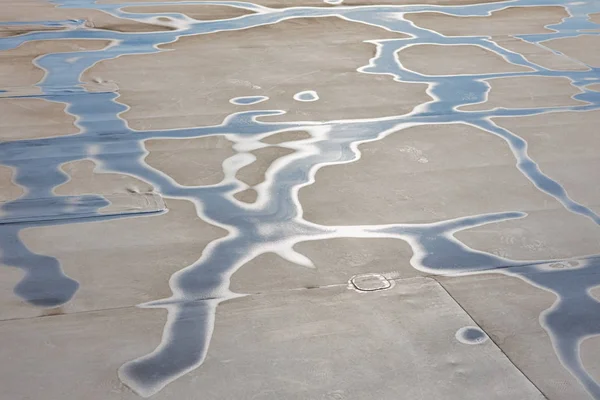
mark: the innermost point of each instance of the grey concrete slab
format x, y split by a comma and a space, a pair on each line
431, 172
8, 189
196, 11
337, 49
320, 3
335, 261
459, 60
86, 177
118, 263
254, 174
44, 119
324, 343
539, 55
589, 355
528, 92
194, 162
546, 234
39, 10
508, 21
575, 47
509, 309
377, 171
562, 145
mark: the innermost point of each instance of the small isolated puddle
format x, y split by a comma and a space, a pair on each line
248, 100
471, 335
370, 282
307, 95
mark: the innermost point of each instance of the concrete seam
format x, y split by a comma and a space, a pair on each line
68, 313
491, 339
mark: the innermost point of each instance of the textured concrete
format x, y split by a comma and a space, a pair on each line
543, 234
427, 170
181, 229
189, 162
454, 60
575, 47
335, 261
151, 248
85, 178
562, 145
509, 21
9, 191
198, 12
319, 3
361, 199
382, 341
30, 118
528, 92
40, 10
496, 304
176, 101
539, 55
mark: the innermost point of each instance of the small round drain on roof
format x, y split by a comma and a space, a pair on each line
370, 282
471, 335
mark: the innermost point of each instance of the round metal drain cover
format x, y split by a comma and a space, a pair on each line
370, 282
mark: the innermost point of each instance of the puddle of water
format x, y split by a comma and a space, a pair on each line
274, 222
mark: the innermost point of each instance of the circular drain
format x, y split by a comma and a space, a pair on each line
471, 335
370, 282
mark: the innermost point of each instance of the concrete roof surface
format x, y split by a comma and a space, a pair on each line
276, 199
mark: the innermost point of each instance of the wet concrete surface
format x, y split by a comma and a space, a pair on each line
300, 200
